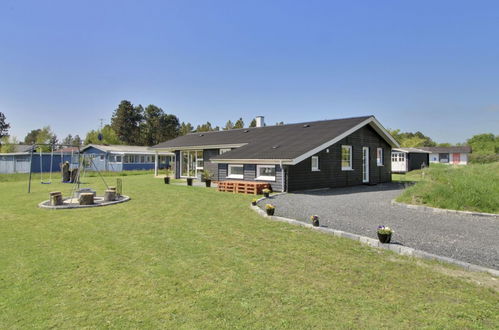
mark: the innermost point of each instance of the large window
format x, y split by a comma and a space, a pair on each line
346, 158
379, 157
315, 163
235, 172
265, 172
191, 163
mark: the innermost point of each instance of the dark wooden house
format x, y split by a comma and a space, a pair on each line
311, 155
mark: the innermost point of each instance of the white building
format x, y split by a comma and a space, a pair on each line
449, 155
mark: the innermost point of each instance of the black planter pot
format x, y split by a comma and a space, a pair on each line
207, 183
384, 238
253, 203
189, 181
270, 211
266, 195
167, 180
315, 223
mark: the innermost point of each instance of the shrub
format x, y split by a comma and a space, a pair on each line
384, 230
483, 158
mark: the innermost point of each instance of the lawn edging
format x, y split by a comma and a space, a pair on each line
439, 210
399, 249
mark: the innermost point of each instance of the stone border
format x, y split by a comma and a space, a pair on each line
400, 249
438, 210
43, 205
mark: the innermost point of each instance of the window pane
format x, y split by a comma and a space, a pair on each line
266, 171
236, 170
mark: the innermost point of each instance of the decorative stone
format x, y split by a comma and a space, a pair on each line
111, 188
84, 190
55, 198
109, 195
73, 175
86, 199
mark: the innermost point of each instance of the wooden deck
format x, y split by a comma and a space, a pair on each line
242, 187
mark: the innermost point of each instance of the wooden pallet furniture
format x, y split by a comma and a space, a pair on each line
242, 187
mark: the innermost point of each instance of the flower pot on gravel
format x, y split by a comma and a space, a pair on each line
384, 234
266, 193
384, 238
207, 183
189, 181
270, 209
253, 202
315, 220
167, 180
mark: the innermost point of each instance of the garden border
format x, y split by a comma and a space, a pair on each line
439, 210
399, 249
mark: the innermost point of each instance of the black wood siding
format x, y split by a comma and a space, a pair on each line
301, 177
416, 160
208, 165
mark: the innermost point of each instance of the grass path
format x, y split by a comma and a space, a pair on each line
186, 257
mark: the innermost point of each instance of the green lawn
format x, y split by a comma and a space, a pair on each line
190, 257
474, 187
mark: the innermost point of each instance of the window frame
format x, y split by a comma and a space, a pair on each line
224, 150
235, 176
265, 177
350, 150
380, 159
316, 168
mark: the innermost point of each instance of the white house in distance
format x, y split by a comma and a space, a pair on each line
449, 155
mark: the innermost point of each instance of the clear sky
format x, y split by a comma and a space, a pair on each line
431, 66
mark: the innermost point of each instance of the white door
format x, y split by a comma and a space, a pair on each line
399, 162
365, 164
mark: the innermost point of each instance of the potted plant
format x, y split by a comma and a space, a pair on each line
190, 178
315, 220
253, 202
266, 192
207, 176
384, 234
167, 177
270, 209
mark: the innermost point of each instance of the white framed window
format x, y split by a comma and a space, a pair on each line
118, 159
346, 158
315, 163
380, 157
235, 172
101, 157
265, 172
222, 151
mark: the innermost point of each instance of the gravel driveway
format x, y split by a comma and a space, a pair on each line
361, 209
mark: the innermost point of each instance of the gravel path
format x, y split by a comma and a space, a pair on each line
361, 209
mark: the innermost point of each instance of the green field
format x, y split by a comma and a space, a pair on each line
190, 257
473, 187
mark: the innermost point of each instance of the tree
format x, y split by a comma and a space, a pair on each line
4, 126
77, 140
239, 123
409, 139
204, 127
253, 123
186, 128
126, 122
31, 136
8, 144
158, 126
109, 136
485, 144
68, 140
229, 125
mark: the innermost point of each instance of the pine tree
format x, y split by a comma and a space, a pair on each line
126, 122
186, 128
229, 125
253, 123
239, 123
4, 126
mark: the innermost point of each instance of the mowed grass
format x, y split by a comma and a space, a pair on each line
190, 257
474, 187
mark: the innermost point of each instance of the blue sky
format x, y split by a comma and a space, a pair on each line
431, 66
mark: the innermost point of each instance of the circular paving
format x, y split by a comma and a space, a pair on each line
72, 203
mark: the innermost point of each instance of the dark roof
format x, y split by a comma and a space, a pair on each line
458, 149
23, 147
411, 150
269, 142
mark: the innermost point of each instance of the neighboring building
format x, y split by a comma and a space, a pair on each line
21, 160
449, 155
321, 154
409, 159
119, 158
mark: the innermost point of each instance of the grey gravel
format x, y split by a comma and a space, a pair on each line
360, 209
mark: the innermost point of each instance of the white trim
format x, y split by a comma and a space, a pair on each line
316, 168
253, 161
380, 160
371, 120
365, 164
201, 147
264, 177
346, 168
235, 176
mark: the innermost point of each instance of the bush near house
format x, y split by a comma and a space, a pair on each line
468, 188
483, 158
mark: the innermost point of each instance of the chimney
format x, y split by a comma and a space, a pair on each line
260, 121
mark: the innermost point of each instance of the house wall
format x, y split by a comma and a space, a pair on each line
435, 158
208, 165
250, 174
21, 163
416, 160
331, 175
